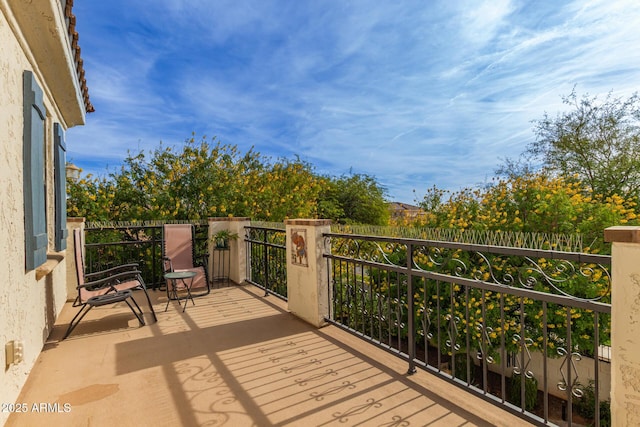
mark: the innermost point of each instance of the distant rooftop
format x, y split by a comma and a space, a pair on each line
399, 209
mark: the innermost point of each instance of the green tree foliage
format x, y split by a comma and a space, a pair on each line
354, 199
287, 189
597, 141
92, 198
206, 178
202, 179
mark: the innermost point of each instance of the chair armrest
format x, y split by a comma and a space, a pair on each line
112, 270
113, 279
97, 285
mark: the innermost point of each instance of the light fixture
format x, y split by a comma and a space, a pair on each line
73, 171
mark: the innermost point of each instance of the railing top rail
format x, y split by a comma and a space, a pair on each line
101, 225
259, 227
121, 227
503, 250
121, 243
280, 226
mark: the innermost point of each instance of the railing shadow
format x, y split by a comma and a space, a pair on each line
242, 359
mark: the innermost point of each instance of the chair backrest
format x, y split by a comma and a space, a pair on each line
178, 245
178, 251
83, 293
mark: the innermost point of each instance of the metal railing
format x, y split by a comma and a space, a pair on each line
514, 326
267, 259
110, 244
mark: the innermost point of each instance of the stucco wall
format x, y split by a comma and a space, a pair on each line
28, 306
237, 253
307, 271
625, 324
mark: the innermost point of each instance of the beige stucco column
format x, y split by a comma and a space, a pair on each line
625, 325
307, 271
72, 278
237, 248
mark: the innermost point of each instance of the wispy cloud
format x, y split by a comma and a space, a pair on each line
416, 93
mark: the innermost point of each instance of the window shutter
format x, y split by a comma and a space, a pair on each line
61, 187
35, 222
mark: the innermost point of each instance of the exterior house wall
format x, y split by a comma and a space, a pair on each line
33, 37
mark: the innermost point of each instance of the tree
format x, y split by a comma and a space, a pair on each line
286, 189
206, 178
198, 180
91, 197
514, 168
597, 141
354, 199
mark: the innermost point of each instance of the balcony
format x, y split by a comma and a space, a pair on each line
234, 358
467, 319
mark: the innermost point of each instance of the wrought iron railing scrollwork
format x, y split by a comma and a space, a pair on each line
459, 309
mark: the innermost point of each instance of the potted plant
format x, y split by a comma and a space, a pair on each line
222, 237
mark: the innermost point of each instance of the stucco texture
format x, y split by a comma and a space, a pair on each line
28, 306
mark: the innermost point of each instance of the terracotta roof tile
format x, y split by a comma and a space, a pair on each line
73, 35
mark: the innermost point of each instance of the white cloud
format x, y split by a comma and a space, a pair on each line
416, 93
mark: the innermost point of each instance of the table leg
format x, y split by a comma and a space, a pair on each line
189, 296
174, 293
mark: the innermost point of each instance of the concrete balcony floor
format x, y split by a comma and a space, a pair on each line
236, 358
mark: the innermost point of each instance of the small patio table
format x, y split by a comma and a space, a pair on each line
187, 280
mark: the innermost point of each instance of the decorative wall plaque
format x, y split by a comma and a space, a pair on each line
299, 247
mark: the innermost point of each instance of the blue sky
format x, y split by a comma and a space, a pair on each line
416, 93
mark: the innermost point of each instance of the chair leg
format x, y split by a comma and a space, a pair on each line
137, 306
153, 312
139, 315
80, 313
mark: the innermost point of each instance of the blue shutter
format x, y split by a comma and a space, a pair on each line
35, 222
61, 187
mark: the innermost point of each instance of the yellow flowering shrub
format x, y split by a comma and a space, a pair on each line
200, 180
531, 203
